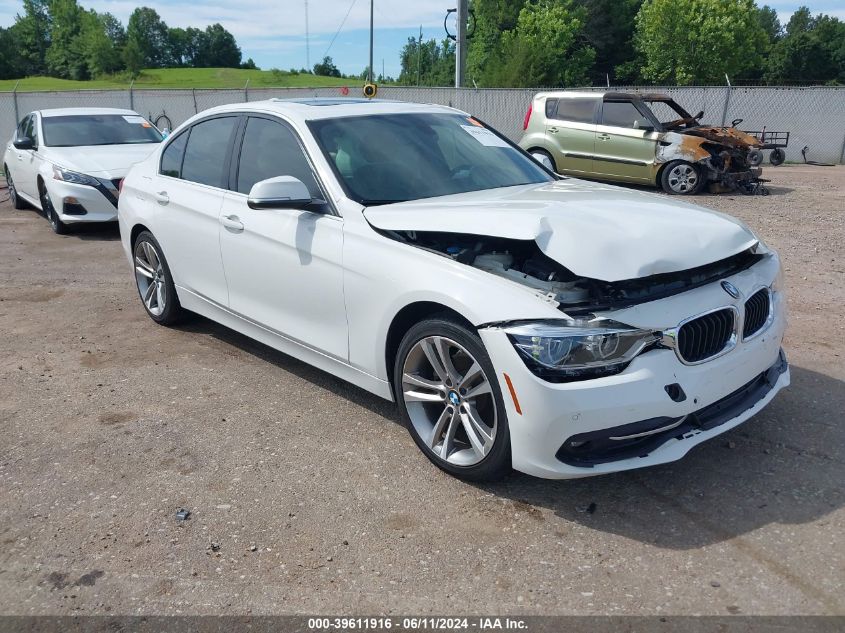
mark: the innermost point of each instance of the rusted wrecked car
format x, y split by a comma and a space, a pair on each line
638, 138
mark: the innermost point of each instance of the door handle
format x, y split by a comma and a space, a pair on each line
232, 222
552, 130
604, 137
161, 197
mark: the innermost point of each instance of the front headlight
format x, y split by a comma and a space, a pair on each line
578, 349
65, 175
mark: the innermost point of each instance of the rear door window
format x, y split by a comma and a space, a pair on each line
576, 110
171, 158
207, 152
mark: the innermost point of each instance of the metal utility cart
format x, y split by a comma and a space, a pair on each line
774, 141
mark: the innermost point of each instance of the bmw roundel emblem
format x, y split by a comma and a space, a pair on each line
730, 289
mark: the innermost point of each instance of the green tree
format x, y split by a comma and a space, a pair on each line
148, 33
492, 19
32, 36
216, 48
133, 58
428, 63
690, 42
102, 42
609, 30
11, 62
545, 48
811, 50
66, 55
326, 68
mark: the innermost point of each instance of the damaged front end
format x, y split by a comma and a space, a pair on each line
522, 262
723, 154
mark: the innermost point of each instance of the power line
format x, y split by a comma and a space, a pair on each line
340, 28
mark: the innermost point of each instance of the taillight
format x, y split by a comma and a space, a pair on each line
527, 117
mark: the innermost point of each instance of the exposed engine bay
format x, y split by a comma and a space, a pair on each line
522, 261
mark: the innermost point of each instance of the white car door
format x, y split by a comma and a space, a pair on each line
25, 171
189, 189
284, 267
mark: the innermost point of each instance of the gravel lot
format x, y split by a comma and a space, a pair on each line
320, 502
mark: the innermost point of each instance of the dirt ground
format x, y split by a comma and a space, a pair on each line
317, 500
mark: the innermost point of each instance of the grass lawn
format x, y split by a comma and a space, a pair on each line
184, 78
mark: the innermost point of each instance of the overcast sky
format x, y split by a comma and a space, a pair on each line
273, 32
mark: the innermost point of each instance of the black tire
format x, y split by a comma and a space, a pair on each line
546, 155
173, 311
14, 198
777, 156
59, 227
497, 462
672, 184
755, 157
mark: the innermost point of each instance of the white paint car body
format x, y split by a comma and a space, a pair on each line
327, 288
106, 165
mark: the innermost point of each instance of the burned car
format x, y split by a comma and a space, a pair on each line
640, 139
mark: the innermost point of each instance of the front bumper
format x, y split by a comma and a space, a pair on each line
82, 203
719, 394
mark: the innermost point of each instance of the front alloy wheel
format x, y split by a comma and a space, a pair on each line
59, 227
155, 284
451, 403
681, 178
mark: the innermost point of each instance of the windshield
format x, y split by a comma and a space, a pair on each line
387, 158
669, 113
98, 129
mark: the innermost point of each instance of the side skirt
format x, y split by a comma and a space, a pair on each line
195, 303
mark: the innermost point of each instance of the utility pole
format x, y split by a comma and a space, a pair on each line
419, 58
307, 40
370, 67
461, 43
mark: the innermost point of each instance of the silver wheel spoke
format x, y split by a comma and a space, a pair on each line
419, 389
479, 435
159, 297
479, 390
433, 356
448, 414
449, 438
148, 296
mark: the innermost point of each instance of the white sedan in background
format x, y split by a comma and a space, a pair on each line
519, 319
69, 162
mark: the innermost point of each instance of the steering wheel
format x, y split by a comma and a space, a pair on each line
736, 122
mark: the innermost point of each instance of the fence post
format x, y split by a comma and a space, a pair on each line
15, 99
842, 153
246, 91
194, 95
727, 100
131, 95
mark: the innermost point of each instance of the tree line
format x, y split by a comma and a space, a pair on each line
58, 38
530, 43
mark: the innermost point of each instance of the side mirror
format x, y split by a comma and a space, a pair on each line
281, 192
23, 143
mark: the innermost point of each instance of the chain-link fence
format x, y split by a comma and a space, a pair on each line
815, 116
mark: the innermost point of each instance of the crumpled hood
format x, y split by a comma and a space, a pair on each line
596, 231
108, 161
726, 135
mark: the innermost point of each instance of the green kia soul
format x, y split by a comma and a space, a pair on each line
645, 139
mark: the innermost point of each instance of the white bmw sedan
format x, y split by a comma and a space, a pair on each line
69, 162
518, 319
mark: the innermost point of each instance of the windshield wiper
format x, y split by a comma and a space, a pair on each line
376, 203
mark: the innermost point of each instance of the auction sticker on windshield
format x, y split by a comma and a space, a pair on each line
484, 136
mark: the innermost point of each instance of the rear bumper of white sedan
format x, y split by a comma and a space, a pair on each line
638, 417
83, 203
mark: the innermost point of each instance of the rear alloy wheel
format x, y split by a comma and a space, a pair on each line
154, 281
446, 389
59, 227
681, 178
14, 198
